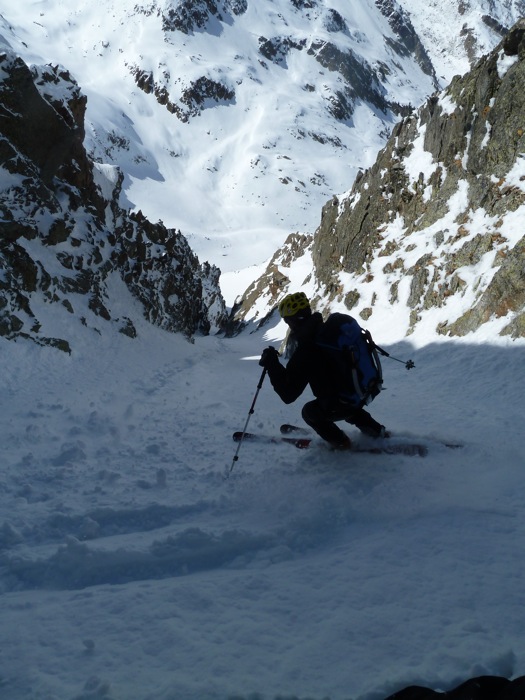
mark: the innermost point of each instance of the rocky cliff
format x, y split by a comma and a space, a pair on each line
446, 194
68, 251
435, 226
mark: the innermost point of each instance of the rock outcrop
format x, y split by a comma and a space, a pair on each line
67, 248
195, 15
263, 294
444, 201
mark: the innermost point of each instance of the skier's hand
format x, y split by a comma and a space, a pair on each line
269, 357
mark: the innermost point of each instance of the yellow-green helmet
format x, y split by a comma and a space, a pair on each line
293, 304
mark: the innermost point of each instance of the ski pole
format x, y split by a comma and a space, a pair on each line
408, 363
250, 412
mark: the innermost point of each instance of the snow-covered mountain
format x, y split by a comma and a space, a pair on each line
456, 33
430, 238
68, 252
130, 567
235, 121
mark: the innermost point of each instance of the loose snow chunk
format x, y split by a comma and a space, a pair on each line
516, 176
419, 160
106, 177
486, 138
504, 63
343, 200
459, 202
464, 157
427, 193
447, 104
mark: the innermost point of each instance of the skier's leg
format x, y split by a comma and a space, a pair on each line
321, 418
364, 422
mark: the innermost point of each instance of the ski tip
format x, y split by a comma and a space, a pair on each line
287, 428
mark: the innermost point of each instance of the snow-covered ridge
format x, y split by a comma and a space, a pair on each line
430, 239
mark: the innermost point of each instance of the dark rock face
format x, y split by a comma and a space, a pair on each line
471, 137
408, 41
64, 240
46, 140
197, 96
361, 81
277, 49
193, 15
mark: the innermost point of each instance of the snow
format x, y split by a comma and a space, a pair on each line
132, 568
419, 161
133, 564
505, 63
446, 28
516, 176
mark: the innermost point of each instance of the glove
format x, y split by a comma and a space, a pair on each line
269, 358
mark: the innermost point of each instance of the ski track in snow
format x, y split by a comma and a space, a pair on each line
130, 565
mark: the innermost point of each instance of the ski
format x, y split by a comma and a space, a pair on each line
300, 443
411, 450
287, 429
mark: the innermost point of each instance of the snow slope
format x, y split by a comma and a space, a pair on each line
131, 568
456, 33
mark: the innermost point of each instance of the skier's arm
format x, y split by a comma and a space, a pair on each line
288, 382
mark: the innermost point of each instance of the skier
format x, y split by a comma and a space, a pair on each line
308, 364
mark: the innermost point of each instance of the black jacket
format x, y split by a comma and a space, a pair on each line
307, 365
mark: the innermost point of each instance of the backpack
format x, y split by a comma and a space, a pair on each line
353, 353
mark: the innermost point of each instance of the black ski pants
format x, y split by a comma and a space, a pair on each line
321, 415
